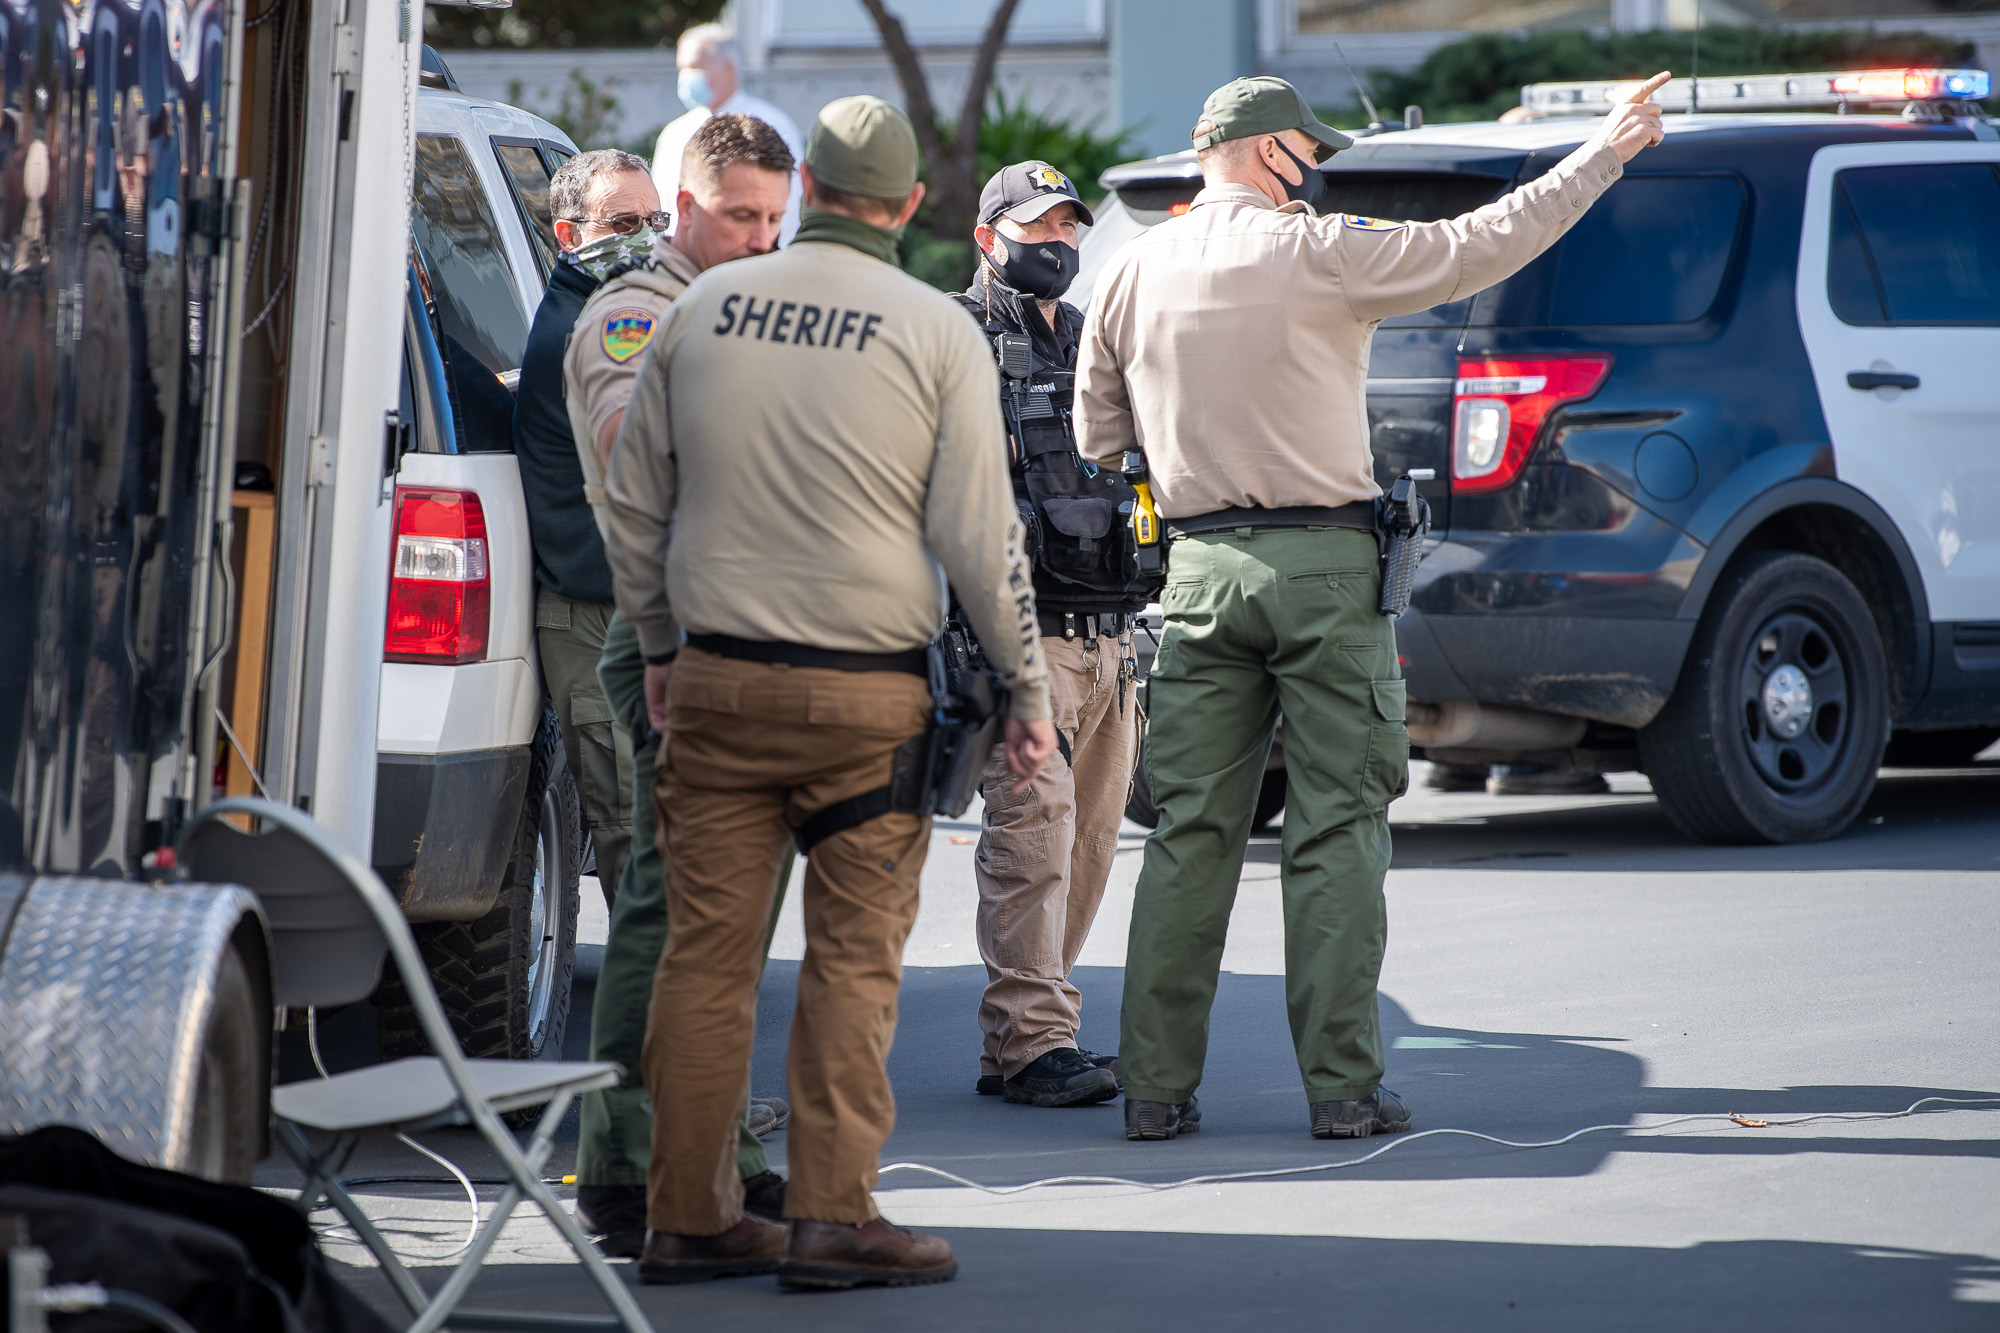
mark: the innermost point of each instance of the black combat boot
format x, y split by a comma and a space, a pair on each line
1161, 1120
1062, 1077
1109, 1062
616, 1214
1380, 1112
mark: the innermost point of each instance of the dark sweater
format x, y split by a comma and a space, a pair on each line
569, 553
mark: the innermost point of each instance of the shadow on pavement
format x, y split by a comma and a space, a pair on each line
1909, 824
1254, 1111
1122, 1280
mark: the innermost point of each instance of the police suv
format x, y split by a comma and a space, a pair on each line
1718, 491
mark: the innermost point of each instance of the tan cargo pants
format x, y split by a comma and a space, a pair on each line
751, 751
1045, 854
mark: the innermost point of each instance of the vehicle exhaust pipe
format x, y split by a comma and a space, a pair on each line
1461, 724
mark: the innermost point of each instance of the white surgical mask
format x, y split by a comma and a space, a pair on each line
693, 87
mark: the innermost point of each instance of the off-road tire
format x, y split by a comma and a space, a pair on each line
481, 968
225, 1137
1704, 751
1938, 749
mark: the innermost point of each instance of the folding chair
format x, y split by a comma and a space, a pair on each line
331, 919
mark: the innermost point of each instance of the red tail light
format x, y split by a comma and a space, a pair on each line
1499, 408
440, 593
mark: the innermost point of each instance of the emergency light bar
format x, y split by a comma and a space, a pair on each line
1769, 92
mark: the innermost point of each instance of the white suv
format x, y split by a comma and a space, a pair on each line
477, 818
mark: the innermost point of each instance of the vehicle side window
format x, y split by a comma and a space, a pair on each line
1851, 288
528, 176
1652, 250
1929, 240
467, 259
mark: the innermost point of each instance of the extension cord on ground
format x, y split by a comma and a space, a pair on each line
1155, 1186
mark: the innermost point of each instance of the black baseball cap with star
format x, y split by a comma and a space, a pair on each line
1025, 191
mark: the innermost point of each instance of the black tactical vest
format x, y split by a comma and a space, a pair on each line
1077, 516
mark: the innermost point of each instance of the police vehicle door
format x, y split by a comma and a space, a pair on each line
1899, 304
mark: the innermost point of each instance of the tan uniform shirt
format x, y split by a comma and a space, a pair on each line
603, 356
1231, 343
812, 448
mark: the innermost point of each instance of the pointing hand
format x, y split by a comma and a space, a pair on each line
1634, 123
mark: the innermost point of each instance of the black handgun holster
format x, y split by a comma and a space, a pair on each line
936, 772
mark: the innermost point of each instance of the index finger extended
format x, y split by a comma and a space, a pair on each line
1644, 92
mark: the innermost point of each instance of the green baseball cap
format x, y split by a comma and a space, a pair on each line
1262, 105
865, 146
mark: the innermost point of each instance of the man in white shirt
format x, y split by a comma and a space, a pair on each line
709, 60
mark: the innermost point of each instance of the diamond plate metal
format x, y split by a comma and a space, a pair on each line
105, 991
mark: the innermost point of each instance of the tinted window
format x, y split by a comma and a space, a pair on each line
1850, 277
1932, 236
1652, 250
1414, 196
466, 260
528, 176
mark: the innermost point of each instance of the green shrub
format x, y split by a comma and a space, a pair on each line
1480, 77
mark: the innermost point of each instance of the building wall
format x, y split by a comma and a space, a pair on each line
1074, 80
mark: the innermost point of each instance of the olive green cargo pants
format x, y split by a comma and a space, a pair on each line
570, 638
616, 1131
1258, 623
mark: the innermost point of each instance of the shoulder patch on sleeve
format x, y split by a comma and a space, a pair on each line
626, 333
1360, 223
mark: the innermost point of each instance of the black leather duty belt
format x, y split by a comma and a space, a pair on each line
912, 662
1360, 514
1078, 625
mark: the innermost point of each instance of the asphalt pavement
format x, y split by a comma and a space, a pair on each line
1553, 963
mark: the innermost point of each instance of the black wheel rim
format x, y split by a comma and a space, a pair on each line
544, 917
1793, 710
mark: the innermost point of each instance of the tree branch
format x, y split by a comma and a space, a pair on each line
966, 132
910, 73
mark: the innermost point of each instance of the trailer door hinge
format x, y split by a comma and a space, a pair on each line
319, 463
347, 48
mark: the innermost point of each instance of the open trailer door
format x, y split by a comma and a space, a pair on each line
118, 246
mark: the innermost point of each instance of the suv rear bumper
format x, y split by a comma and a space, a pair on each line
1608, 669
444, 828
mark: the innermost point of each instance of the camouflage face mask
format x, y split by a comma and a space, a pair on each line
605, 253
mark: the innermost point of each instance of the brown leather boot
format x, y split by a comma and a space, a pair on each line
877, 1253
751, 1246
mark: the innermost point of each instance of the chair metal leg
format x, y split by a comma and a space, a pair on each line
321, 1183
615, 1293
439, 1311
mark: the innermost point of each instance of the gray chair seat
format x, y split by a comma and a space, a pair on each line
408, 1092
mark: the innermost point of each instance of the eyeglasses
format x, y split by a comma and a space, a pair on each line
624, 224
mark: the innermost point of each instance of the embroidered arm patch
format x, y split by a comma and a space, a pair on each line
626, 333
1367, 224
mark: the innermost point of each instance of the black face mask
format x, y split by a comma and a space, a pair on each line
1311, 187
1042, 269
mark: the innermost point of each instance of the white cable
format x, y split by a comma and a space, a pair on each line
1398, 1142
471, 1195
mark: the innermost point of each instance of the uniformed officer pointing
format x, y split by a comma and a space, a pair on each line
1231, 346
811, 450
